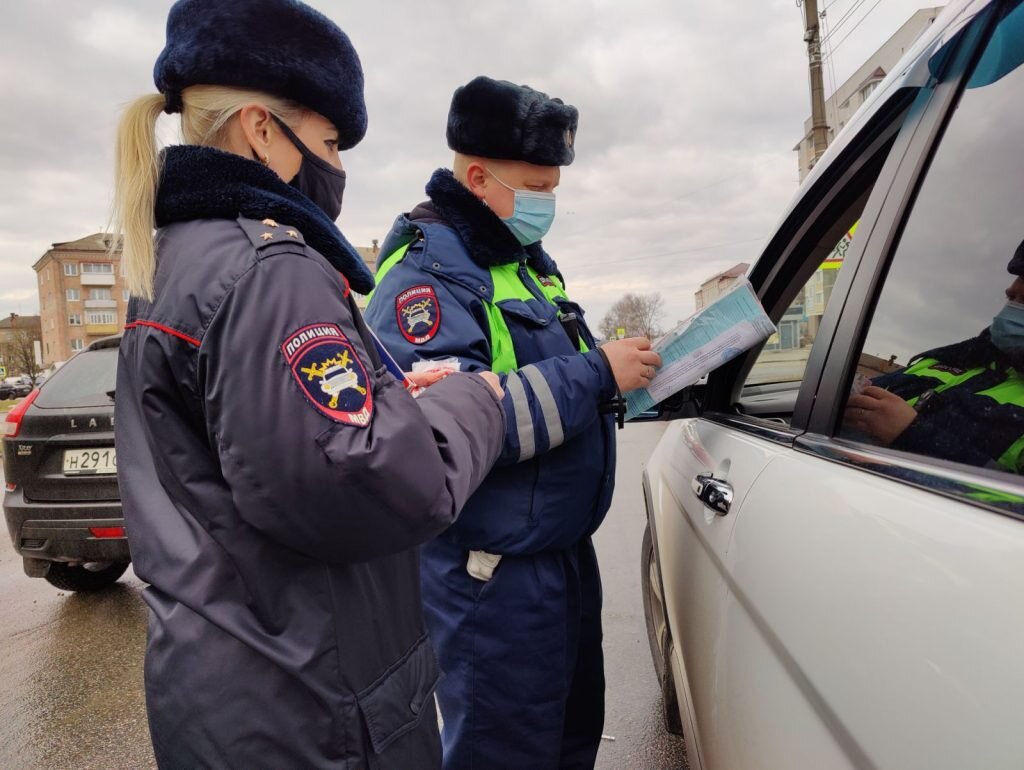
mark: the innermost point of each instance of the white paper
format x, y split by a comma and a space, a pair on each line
732, 324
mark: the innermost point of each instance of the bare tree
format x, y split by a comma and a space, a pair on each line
19, 353
638, 314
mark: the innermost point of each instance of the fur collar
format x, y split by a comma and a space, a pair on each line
489, 241
977, 351
205, 183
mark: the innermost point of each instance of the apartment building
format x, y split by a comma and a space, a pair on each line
719, 284
848, 98
82, 296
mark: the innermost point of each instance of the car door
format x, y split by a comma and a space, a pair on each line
872, 613
694, 452
749, 421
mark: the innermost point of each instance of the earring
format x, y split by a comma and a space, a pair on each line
266, 160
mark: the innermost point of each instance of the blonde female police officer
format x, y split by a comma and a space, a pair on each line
275, 478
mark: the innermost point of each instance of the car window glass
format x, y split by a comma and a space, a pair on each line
84, 381
784, 355
939, 371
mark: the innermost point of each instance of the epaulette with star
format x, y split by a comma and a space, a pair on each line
267, 232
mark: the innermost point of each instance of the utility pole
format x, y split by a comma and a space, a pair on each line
819, 128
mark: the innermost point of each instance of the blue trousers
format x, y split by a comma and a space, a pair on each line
523, 683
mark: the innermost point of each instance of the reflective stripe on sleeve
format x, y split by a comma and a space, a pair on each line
548, 407
524, 421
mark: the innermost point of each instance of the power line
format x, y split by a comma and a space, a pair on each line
846, 17
846, 37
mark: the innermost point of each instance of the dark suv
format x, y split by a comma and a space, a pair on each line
62, 504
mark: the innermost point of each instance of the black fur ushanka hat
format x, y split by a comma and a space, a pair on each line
281, 47
1016, 266
498, 119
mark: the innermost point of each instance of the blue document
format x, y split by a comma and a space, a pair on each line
732, 324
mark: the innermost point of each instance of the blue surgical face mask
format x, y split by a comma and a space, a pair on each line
532, 214
1007, 328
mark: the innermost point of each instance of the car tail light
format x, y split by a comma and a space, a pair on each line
107, 532
12, 425
11, 487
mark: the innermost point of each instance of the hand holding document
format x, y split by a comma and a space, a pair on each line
420, 378
732, 324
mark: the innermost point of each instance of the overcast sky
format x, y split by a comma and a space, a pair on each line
688, 114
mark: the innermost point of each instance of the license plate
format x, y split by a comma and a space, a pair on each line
90, 462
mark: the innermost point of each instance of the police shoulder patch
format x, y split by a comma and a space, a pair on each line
330, 374
419, 314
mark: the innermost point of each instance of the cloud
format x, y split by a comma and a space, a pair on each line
688, 112
18, 296
137, 37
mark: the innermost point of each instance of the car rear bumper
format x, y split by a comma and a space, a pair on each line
61, 531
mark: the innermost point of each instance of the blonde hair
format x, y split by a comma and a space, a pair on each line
204, 118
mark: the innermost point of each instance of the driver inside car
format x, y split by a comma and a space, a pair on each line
963, 402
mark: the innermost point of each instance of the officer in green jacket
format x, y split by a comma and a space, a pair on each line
512, 590
962, 402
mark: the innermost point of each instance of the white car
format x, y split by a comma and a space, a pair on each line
834, 564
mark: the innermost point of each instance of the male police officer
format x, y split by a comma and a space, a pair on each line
512, 590
962, 402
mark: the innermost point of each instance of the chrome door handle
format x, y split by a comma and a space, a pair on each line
716, 494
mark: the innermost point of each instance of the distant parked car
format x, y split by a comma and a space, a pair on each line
831, 586
62, 504
15, 387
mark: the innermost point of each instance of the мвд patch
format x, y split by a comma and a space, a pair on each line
419, 314
330, 374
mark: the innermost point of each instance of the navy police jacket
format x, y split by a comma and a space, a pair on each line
970, 402
554, 479
275, 482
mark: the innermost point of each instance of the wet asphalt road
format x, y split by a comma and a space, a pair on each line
71, 673
71, 665
632, 702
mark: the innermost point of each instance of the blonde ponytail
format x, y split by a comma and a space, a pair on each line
136, 172
206, 112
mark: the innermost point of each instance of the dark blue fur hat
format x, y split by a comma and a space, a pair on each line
1016, 266
498, 119
281, 47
